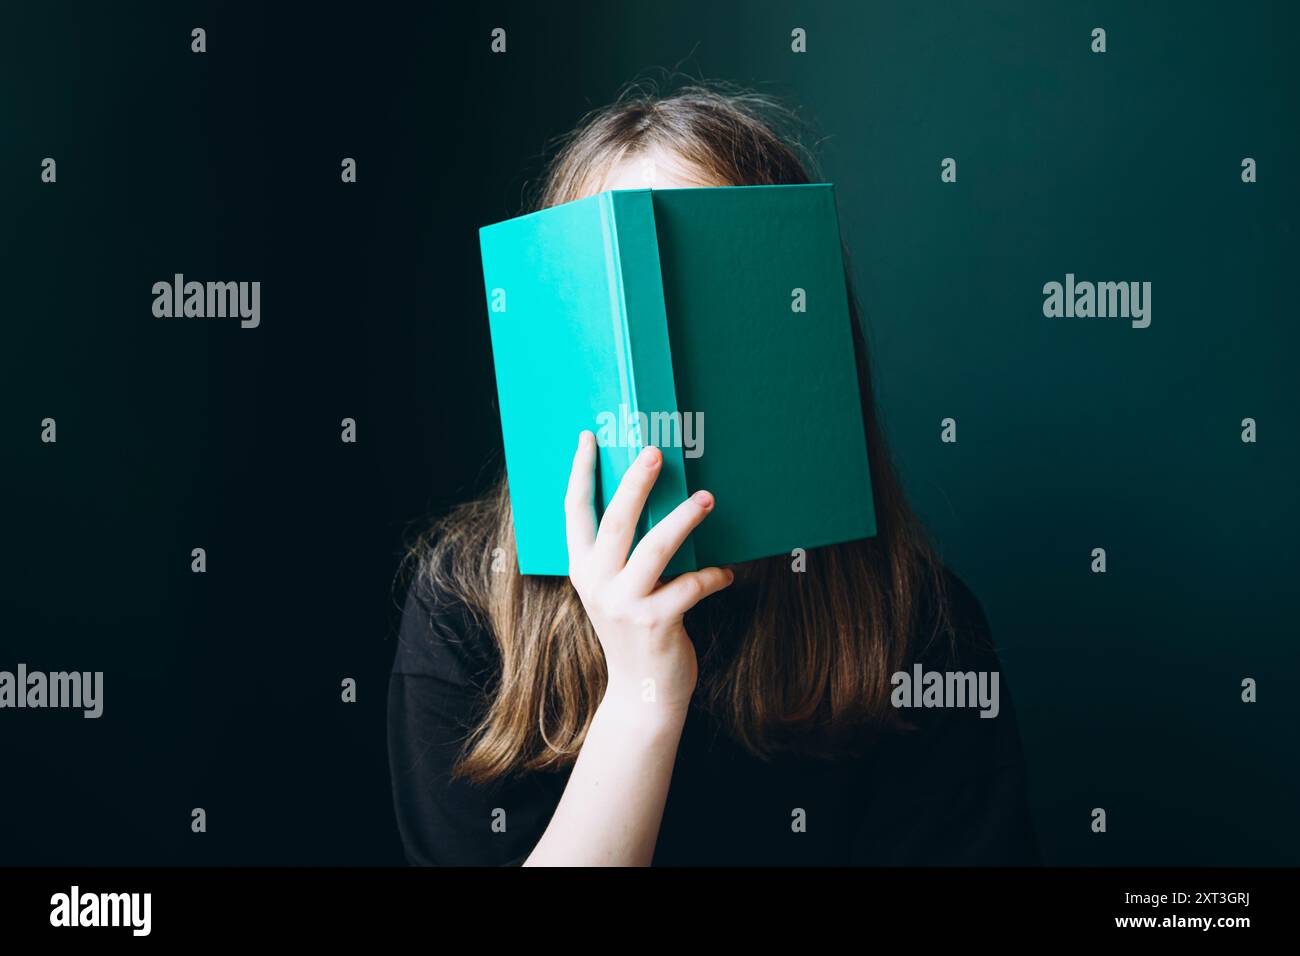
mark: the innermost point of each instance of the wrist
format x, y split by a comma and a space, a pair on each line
633, 713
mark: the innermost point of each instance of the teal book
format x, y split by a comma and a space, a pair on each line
712, 323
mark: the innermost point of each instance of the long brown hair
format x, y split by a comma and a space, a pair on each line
788, 661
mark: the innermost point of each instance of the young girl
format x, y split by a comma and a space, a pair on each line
518, 733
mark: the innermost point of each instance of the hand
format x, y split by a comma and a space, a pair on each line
649, 658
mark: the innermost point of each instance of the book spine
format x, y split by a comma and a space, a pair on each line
652, 394
627, 440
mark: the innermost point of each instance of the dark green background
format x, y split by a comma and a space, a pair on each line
222, 690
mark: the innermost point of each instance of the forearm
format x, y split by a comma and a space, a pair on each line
613, 804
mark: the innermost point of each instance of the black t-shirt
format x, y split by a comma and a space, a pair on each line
950, 793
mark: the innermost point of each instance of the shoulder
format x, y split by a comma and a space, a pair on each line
954, 630
439, 635
971, 717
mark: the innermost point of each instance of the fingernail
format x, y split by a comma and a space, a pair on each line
650, 457
703, 499
584, 438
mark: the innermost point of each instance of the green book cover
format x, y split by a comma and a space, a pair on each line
712, 323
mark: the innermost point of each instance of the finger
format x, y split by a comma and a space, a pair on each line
687, 590
618, 523
579, 508
656, 549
